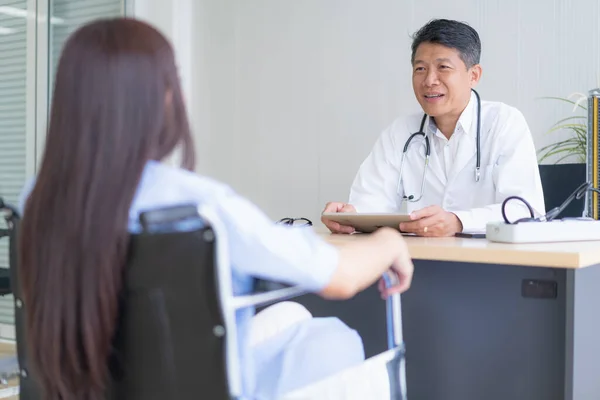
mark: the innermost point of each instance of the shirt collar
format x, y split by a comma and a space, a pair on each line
464, 121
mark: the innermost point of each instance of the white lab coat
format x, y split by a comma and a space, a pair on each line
508, 167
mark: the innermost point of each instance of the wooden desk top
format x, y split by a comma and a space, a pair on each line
556, 255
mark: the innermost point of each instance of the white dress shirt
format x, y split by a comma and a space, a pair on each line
508, 167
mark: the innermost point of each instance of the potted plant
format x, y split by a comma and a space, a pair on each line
560, 179
576, 145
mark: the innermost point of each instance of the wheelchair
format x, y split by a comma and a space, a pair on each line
176, 336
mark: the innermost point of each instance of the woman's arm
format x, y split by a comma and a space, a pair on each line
362, 262
298, 256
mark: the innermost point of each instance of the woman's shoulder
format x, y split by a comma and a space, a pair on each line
169, 175
163, 183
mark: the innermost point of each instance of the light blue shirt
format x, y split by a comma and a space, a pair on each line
257, 248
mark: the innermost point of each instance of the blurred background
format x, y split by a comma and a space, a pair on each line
287, 98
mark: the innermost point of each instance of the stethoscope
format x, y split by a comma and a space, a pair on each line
428, 152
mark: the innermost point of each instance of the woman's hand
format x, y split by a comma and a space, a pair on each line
402, 267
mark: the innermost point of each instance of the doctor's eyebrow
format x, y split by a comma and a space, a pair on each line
437, 60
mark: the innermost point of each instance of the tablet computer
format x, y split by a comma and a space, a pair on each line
368, 222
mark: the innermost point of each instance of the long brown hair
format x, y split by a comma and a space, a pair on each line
116, 104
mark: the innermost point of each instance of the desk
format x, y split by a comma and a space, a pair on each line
490, 321
557, 255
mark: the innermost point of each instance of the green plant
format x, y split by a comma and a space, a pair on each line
576, 144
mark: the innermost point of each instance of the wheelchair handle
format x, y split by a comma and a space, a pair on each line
393, 312
10, 214
7, 207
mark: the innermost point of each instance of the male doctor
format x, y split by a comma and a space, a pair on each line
450, 193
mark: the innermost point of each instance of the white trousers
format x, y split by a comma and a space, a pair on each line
275, 319
291, 349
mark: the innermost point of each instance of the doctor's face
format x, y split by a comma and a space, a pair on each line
441, 81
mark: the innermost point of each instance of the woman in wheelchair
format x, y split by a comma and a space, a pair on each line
117, 113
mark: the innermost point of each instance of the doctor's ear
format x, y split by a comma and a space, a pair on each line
475, 74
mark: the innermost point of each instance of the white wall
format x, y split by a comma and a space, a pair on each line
213, 110
289, 96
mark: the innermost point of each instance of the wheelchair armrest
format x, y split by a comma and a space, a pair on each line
4, 232
266, 298
261, 286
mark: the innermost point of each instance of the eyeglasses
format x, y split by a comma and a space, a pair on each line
295, 221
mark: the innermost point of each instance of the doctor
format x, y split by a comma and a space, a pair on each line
451, 165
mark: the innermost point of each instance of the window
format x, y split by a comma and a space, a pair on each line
13, 107
30, 46
13, 123
68, 15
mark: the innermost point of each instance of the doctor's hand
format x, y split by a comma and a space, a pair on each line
432, 221
336, 227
